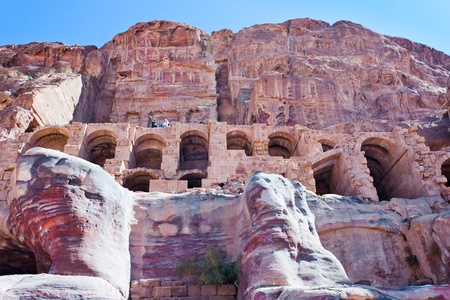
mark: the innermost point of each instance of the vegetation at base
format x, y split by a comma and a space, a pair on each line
412, 260
434, 249
209, 268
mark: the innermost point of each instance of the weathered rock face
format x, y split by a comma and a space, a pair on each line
308, 72
281, 240
69, 213
46, 286
165, 69
301, 71
73, 216
63, 213
39, 84
385, 238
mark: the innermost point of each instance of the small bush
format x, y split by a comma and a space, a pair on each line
210, 268
434, 249
412, 260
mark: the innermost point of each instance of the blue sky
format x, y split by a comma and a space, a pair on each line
95, 22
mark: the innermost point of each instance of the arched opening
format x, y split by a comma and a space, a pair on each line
238, 140
327, 145
379, 159
393, 169
445, 170
327, 177
148, 151
101, 145
194, 179
138, 182
281, 144
50, 138
193, 151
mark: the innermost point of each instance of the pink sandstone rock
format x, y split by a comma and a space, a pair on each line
46, 286
73, 216
69, 212
281, 240
339, 78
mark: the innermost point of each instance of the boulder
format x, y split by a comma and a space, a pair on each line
73, 216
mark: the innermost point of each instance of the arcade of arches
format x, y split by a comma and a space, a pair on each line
377, 166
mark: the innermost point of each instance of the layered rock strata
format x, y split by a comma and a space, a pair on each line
301, 71
71, 220
72, 216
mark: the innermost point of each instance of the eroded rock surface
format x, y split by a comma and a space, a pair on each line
70, 213
302, 71
46, 286
73, 216
282, 240
66, 213
399, 241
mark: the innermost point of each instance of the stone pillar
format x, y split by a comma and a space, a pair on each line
217, 153
74, 145
261, 147
170, 157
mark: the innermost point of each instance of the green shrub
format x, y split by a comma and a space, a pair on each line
210, 268
434, 249
412, 260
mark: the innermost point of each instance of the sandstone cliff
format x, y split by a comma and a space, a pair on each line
301, 71
78, 226
339, 108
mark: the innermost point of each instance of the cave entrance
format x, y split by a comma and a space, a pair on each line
281, 144
392, 170
193, 151
148, 151
328, 174
445, 170
379, 159
17, 260
100, 146
327, 145
238, 140
138, 182
50, 138
193, 179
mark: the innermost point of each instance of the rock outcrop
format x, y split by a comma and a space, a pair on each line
280, 239
72, 216
301, 71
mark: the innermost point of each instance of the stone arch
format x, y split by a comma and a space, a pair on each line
193, 151
239, 140
194, 179
51, 138
393, 169
379, 155
445, 170
139, 181
100, 146
327, 144
281, 144
148, 151
327, 177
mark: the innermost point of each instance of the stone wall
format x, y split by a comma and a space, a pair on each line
373, 165
155, 288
